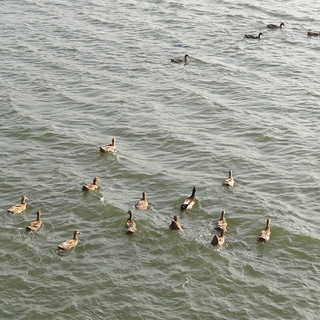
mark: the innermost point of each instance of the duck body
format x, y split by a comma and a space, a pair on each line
36, 224
109, 147
178, 60
175, 225
91, 186
265, 234
130, 226
222, 222
313, 33
229, 181
275, 26
18, 208
250, 36
190, 201
218, 241
142, 204
71, 243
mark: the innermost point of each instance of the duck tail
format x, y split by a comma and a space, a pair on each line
184, 206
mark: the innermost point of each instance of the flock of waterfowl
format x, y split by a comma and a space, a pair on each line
142, 204
275, 26
251, 36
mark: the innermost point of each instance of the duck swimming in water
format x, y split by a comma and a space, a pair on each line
109, 147
218, 241
69, 244
35, 225
250, 36
275, 26
313, 33
178, 60
175, 225
142, 204
130, 226
265, 234
91, 186
18, 208
190, 201
229, 181
222, 223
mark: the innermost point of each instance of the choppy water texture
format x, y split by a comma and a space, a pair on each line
75, 74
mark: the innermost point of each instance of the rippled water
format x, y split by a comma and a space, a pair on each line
75, 74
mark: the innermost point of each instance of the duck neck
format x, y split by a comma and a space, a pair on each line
268, 224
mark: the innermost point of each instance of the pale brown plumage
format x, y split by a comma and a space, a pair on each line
109, 147
265, 234
218, 241
175, 225
36, 224
130, 226
222, 222
190, 201
229, 181
71, 243
18, 208
142, 204
91, 186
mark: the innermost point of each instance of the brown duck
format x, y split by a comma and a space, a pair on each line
71, 243
265, 234
109, 147
142, 204
91, 186
275, 26
250, 36
229, 181
190, 201
18, 208
130, 226
178, 60
313, 33
218, 241
175, 225
36, 224
222, 223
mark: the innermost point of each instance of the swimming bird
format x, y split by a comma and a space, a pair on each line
18, 208
250, 36
274, 26
178, 60
313, 33
71, 243
91, 186
265, 234
35, 225
130, 226
229, 181
142, 204
175, 225
109, 147
189, 202
222, 223
218, 241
